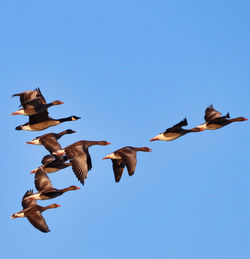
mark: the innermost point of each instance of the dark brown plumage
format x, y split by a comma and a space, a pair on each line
33, 102
214, 120
49, 140
125, 156
79, 157
175, 132
43, 121
39, 119
33, 212
28, 96
52, 164
45, 189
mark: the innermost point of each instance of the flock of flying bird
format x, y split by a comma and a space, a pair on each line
35, 106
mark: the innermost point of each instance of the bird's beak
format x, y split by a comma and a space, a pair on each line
33, 171
153, 139
15, 113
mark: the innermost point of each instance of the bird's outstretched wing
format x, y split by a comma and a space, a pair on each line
177, 126
38, 221
28, 202
211, 113
78, 158
42, 181
129, 159
118, 168
50, 143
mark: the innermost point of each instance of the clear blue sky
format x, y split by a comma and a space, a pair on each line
130, 69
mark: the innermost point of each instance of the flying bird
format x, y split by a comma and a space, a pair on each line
214, 120
125, 156
52, 163
43, 121
175, 132
49, 140
33, 102
35, 105
33, 212
79, 157
45, 189
30, 95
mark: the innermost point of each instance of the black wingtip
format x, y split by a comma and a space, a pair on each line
228, 115
30, 191
13, 95
19, 128
45, 230
37, 89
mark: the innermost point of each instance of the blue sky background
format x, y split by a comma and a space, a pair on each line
130, 69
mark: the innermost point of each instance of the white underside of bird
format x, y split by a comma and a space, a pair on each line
36, 196
163, 137
19, 112
17, 215
112, 156
202, 126
34, 142
59, 152
26, 127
